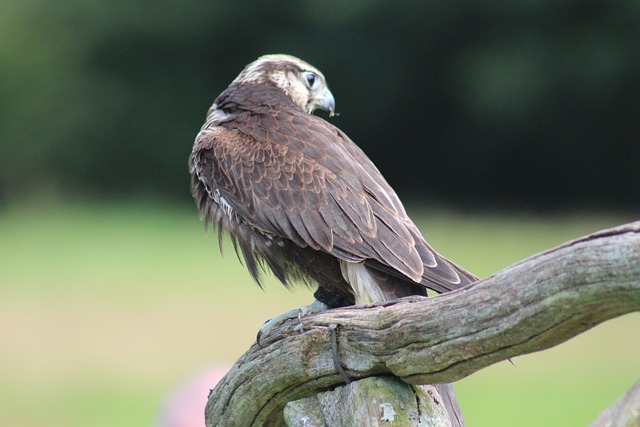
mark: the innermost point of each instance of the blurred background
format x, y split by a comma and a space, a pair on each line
507, 128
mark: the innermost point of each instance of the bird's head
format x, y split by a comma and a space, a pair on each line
304, 83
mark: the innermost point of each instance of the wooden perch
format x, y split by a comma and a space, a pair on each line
532, 305
625, 412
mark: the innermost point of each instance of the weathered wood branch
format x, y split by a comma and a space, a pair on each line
532, 305
376, 402
625, 412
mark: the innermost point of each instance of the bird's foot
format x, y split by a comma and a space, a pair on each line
305, 310
298, 313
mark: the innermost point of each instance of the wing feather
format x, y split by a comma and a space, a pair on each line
295, 176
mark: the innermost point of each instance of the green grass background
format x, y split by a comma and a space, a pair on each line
105, 308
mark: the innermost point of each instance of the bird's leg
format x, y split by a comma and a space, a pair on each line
305, 310
315, 307
299, 313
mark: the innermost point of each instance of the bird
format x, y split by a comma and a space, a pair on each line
299, 198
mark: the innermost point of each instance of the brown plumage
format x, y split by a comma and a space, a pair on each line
299, 197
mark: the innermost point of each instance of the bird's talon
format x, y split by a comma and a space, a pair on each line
299, 325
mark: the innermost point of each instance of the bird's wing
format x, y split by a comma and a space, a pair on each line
296, 176
439, 273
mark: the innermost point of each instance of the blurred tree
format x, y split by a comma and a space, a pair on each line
527, 103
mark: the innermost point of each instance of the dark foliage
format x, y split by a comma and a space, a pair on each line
522, 103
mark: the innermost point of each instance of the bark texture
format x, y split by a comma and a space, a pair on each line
625, 412
373, 402
532, 305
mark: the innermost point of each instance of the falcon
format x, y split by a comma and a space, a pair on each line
301, 199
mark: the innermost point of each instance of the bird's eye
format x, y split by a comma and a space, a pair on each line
310, 78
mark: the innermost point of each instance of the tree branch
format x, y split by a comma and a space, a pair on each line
625, 412
532, 305
373, 402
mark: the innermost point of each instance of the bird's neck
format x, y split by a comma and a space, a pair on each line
256, 98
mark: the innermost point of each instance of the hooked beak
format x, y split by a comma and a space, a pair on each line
326, 102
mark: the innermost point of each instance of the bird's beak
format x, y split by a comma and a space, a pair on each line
326, 102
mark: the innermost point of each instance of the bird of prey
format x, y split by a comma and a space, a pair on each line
298, 197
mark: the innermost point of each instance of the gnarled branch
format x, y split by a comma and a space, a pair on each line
625, 412
532, 305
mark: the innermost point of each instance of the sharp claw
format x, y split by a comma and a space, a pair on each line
258, 335
299, 326
264, 331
